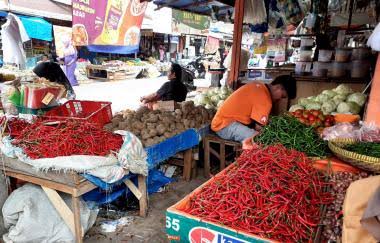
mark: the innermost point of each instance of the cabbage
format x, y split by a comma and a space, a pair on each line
358, 98
339, 98
303, 101
215, 98
354, 108
328, 107
343, 89
220, 103
312, 98
296, 107
209, 106
343, 107
329, 93
322, 98
224, 90
313, 106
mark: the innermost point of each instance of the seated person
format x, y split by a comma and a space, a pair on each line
252, 103
174, 89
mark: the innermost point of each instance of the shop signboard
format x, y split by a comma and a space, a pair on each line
107, 22
189, 23
60, 33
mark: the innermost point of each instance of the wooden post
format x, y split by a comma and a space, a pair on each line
187, 164
373, 107
222, 155
236, 46
207, 157
144, 195
78, 226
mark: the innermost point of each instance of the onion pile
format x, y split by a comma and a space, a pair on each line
333, 221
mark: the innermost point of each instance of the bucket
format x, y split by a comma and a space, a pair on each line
338, 69
320, 69
325, 55
359, 69
360, 53
342, 54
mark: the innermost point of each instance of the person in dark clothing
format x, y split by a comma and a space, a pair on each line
174, 89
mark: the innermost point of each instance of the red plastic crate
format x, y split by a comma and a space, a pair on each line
97, 112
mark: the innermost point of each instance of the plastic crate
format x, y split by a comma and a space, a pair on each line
97, 112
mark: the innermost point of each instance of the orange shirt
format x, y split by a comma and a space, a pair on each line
250, 102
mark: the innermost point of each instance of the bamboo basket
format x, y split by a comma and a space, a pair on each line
361, 161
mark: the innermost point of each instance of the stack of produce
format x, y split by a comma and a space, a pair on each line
314, 118
213, 98
291, 133
333, 220
153, 127
342, 99
15, 126
39, 140
273, 193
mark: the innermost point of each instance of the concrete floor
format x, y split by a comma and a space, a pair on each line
123, 94
151, 228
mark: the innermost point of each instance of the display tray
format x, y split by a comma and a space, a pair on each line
184, 227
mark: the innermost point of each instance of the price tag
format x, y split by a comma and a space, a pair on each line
48, 98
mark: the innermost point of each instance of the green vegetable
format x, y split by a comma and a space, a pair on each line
354, 108
313, 106
296, 107
365, 148
303, 101
329, 93
288, 131
322, 98
328, 107
358, 98
343, 89
339, 99
343, 107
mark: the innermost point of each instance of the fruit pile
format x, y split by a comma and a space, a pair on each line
314, 118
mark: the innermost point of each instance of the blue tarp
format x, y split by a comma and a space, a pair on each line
3, 14
114, 49
37, 28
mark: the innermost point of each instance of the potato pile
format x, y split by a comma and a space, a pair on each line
153, 127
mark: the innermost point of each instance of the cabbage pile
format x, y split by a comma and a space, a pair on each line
342, 99
213, 98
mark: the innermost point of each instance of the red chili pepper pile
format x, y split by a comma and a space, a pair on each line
274, 193
67, 138
16, 125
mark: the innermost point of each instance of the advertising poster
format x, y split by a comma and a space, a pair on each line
277, 49
60, 33
112, 22
189, 23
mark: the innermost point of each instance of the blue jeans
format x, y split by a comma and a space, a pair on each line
236, 132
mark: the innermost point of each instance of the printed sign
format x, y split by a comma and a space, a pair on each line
189, 23
202, 235
107, 22
277, 48
61, 33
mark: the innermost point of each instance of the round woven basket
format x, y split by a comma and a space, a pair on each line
361, 161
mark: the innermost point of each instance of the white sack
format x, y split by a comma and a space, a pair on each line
31, 218
374, 39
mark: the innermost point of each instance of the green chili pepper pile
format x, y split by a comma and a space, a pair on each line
365, 148
292, 134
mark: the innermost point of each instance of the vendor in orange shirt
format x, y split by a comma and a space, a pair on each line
247, 109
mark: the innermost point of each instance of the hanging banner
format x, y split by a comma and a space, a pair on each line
60, 33
212, 45
189, 23
112, 22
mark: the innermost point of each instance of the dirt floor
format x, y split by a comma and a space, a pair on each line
151, 228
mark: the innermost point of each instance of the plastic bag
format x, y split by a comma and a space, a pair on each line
341, 130
368, 133
7, 92
374, 39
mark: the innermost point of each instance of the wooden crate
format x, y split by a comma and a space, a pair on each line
103, 73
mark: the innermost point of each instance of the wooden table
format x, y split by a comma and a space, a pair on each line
71, 183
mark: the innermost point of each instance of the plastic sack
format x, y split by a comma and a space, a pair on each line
341, 130
374, 39
368, 133
7, 93
254, 12
30, 217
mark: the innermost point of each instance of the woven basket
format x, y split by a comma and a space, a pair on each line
361, 161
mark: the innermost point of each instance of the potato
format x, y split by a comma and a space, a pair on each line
150, 126
178, 112
108, 127
172, 127
152, 132
115, 122
186, 123
152, 118
167, 134
161, 129
138, 125
180, 126
149, 142
145, 135
122, 125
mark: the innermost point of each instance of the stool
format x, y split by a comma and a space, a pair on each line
187, 160
221, 155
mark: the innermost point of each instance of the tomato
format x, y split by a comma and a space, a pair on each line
316, 113
302, 120
298, 112
322, 117
311, 118
327, 124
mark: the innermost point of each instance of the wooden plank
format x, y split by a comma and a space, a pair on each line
373, 107
236, 46
61, 207
144, 195
70, 178
207, 157
187, 160
79, 233
216, 154
42, 182
194, 169
222, 156
83, 188
133, 188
